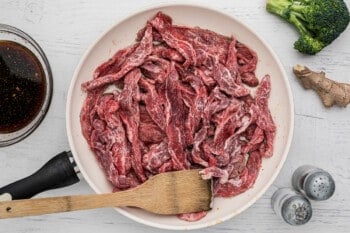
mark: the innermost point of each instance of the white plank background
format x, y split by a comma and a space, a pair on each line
66, 28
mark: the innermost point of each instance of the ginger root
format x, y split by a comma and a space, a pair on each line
330, 92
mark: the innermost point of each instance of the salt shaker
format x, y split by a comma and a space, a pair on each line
313, 182
291, 206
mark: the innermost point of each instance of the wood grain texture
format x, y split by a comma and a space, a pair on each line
167, 193
321, 137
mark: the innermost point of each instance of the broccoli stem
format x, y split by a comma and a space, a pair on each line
294, 18
298, 14
291, 12
298, 8
279, 7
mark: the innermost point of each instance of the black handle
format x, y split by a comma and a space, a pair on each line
56, 173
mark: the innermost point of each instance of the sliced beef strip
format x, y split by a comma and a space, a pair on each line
176, 114
135, 59
130, 116
162, 25
156, 157
192, 217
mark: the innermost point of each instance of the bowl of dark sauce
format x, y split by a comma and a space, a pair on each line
25, 85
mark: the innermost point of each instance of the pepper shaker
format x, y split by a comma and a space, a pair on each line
291, 206
313, 182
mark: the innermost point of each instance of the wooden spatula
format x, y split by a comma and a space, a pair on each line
167, 193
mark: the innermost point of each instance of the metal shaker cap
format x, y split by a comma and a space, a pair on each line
319, 185
296, 210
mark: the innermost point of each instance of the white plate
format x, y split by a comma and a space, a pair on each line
123, 34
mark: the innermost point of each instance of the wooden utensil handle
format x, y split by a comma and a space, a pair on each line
39, 206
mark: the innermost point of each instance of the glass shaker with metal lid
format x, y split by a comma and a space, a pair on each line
291, 206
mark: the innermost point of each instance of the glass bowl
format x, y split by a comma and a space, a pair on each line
12, 34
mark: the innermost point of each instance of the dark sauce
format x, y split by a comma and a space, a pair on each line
22, 86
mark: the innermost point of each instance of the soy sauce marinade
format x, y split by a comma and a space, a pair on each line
22, 86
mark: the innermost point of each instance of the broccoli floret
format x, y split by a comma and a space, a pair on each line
319, 22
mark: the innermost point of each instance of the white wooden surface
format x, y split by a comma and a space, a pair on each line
66, 28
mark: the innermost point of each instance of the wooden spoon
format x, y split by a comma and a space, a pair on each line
167, 193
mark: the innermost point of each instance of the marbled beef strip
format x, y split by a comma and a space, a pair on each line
135, 59
176, 114
130, 116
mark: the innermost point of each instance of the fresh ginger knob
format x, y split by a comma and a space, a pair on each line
330, 92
